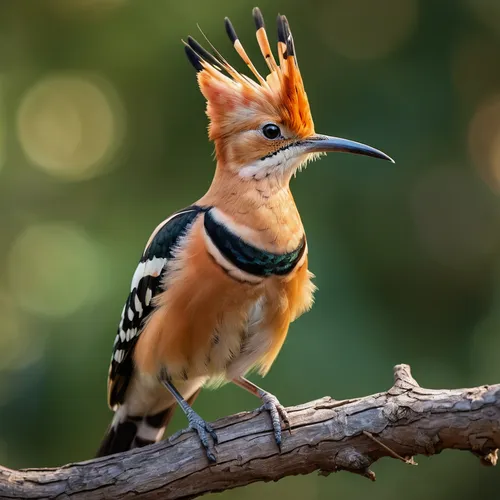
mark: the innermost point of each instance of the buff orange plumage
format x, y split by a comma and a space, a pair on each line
220, 281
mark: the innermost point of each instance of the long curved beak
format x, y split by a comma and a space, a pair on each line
326, 144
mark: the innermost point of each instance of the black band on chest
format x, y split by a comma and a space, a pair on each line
248, 258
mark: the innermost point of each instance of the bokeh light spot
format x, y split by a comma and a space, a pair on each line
53, 269
484, 141
70, 126
364, 29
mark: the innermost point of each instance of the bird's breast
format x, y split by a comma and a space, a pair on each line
235, 350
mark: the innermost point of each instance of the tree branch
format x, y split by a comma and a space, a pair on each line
327, 435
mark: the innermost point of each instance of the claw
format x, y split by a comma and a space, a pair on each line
202, 428
278, 414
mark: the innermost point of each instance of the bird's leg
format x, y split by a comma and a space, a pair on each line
195, 421
271, 404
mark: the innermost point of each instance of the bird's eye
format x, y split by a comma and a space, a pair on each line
271, 131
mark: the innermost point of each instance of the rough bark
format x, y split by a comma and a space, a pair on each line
327, 436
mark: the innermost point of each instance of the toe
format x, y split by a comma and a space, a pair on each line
202, 434
212, 433
284, 418
277, 437
202, 428
278, 415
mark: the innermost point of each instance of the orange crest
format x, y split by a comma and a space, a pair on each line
235, 101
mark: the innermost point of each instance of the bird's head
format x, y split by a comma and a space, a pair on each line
262, 127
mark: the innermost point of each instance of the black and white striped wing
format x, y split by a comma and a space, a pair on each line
146, 284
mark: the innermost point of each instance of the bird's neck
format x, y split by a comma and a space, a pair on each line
265, 207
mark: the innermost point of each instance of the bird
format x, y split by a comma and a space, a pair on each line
220, 281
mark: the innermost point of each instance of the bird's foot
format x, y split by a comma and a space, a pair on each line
202, 428
277, 412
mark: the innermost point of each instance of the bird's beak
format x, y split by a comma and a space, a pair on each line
325, 144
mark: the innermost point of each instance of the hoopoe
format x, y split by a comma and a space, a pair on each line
220, 281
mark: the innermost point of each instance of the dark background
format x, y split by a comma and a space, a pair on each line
103, 134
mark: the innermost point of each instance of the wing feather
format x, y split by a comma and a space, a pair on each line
146, 284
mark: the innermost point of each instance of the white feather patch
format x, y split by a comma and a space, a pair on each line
149, 296
145, 431
151, 267
281, 163
118, 355
138, 306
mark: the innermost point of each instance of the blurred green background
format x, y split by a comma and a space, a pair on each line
103, 134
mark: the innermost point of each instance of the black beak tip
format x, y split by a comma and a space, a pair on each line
376, 153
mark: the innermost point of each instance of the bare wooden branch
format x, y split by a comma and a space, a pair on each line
327, 436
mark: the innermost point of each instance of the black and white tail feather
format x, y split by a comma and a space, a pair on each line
127, 432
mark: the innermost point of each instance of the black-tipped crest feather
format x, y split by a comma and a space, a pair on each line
231, 33
224, 63
281, 29
290, 47
282, 33
202, 52
258, 18
193, 57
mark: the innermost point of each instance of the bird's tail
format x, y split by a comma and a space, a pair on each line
127, 432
